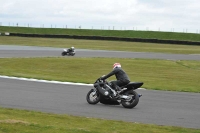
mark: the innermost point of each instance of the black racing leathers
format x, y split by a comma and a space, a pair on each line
121, 76
70, 50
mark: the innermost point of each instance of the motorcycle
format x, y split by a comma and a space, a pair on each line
67, 52
105, 94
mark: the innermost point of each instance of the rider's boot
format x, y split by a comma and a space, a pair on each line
115, 94
118, 90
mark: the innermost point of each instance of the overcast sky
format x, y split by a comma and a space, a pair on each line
163, 15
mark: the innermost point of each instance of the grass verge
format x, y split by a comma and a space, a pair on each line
156, 74
112, 33
23, 121
101, 45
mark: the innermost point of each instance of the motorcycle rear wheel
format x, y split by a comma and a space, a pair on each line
92, 97
71, 54
133, 102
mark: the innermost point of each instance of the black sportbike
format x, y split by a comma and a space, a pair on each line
105, 94
68, 52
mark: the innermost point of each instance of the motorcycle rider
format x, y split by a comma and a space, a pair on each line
71, 49
121, 76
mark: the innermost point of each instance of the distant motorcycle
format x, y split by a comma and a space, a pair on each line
68, 52
104, 94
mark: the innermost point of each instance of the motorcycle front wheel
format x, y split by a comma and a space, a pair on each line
93, 97
134, 99
63, 53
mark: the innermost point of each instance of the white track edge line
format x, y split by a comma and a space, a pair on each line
49, 81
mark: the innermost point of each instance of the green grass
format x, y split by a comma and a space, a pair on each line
22, 121
113, 33
156, 74
103, 45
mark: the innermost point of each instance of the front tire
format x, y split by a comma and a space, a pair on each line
93, 97
63, 53
133, 101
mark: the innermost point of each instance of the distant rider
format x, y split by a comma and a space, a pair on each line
121, 76
71, 49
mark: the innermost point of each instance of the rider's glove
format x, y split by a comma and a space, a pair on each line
102, 78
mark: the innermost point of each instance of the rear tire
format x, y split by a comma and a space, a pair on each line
72, 54
133, 102
92, 97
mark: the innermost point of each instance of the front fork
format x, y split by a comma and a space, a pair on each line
94, 92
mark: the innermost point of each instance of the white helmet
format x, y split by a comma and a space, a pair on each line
116, 65
72, 48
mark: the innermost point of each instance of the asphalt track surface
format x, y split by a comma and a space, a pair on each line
155, 107
28, 51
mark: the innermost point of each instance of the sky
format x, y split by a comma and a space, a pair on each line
148, 15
